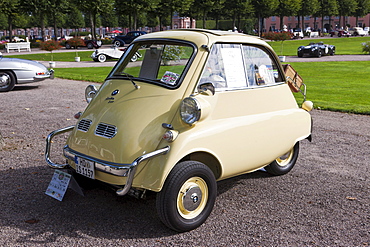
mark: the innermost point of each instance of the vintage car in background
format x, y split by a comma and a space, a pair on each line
340, 33
121, 40
199, 107
15, 71
101, 55
316, 50
297, 33
89, 43
358, 31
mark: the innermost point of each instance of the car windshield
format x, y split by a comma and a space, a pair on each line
161, 62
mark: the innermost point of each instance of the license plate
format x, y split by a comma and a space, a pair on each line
85, 167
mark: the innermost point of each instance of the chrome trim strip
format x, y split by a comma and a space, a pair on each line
119, 169
112, 168
48, 145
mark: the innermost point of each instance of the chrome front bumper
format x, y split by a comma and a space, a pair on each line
117, 169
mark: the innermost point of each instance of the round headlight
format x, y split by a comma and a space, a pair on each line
190, 110
90, 93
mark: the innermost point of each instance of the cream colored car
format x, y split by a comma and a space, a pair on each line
199, 106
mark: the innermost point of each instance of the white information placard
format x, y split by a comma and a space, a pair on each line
58, 185
234, 67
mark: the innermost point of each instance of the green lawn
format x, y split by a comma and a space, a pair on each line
337, 86
343, 46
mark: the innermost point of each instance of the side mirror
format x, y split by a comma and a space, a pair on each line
206, 89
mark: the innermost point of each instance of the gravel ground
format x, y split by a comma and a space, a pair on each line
323, 201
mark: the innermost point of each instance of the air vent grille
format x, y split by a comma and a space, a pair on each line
84, 125
106, 130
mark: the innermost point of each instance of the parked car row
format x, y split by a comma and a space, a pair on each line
355, 31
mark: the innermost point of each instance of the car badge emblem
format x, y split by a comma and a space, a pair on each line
115, 92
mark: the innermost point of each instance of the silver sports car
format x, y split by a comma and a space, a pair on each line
18, 71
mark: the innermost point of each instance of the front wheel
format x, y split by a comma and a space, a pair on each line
68, 46
102, 58
319, 53
90, 46
283, 164
187, 197
7, 81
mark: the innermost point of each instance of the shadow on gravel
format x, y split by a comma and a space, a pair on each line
24, 87
100, 213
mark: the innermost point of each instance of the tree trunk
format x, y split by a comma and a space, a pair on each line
55, 29
204, 19
135, 20
92, 23
259, 25
281, 22
42, 27
10, 25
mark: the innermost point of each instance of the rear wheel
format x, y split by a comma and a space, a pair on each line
283, 164
117, 43
68, 46
7, 81
90, 46
187, 197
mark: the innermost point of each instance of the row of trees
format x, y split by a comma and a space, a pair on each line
134, 13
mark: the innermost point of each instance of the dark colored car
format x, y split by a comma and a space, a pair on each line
89, 43
121, 40
316, 50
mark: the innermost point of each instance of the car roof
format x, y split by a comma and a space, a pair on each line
204, 36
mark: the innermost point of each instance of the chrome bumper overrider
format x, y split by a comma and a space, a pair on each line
117, 169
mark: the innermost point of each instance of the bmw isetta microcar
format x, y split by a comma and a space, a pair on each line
198, 107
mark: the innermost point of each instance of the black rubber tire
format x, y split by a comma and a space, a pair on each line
90, 46
283, 166
117, 43
319, 53
187, 197
68, 46
102, 58
300, 54
9, 81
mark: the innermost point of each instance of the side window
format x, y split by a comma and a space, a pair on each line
235, 66
260, 68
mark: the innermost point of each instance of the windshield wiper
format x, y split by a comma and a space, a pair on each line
130, 78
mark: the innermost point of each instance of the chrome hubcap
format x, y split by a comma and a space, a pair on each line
4, 80
192, 197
